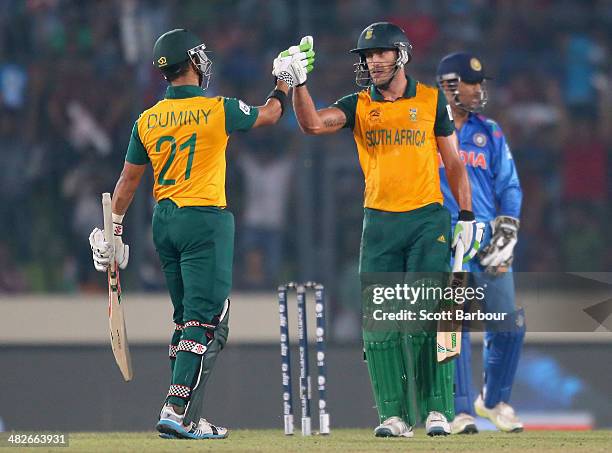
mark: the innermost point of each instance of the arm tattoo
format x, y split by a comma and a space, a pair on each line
331, 122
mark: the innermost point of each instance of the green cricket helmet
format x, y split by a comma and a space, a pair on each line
175, 47
381, 35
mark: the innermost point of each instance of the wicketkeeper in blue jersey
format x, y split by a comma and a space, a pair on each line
496, 200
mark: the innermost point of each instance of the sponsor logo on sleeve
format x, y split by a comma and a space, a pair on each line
450, 112
245, 108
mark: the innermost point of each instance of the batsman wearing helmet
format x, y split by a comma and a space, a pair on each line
184, 138
399, 124
497, 200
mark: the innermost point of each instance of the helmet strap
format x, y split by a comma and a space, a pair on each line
386, 85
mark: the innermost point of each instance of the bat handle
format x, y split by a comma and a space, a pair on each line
108, 224
458, 259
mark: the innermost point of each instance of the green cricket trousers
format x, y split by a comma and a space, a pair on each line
195, 245
406, 379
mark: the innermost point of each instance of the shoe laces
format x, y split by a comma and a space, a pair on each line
208, 426
435, 416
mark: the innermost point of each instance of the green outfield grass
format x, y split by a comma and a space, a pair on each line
344, 440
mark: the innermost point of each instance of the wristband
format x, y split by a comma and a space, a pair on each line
118, 218
281, 96
466, 216
117, 229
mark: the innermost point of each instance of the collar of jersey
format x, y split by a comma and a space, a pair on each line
473, 123
183, 91
409, 93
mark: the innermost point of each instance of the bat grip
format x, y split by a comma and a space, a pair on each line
458, 259
107, 212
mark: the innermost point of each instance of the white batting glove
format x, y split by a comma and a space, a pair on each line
103, 253
293, 65
101, 250
470, 233
497, 256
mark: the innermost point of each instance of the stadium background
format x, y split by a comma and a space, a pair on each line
74, 75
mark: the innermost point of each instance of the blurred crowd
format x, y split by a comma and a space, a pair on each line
74, 75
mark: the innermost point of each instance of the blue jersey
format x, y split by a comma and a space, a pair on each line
495, 184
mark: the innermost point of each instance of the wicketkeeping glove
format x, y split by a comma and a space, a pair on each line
293, 65
497, 256
470, 233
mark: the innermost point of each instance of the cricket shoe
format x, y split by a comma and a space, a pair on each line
206, 430
167, 436
393, 427
171, 426
437, 425
502, 416
464, 424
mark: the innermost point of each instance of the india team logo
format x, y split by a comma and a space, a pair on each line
480, 140
475, 64
412, 114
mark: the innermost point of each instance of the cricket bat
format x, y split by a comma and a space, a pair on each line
116, 319
449, 331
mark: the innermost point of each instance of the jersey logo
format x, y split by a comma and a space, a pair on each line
374, 116
480, 139
245, 108
473, 159
442, 239
412, 114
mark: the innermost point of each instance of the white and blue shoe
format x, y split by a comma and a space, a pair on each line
167, 436
393, 427
437, 425
170, 426
206, 430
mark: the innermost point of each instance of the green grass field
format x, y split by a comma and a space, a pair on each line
344, 440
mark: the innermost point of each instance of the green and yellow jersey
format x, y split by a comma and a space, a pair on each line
396, 142
184, 136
